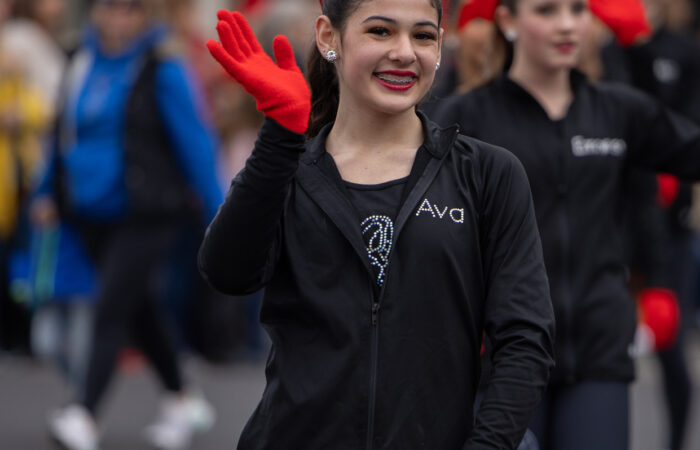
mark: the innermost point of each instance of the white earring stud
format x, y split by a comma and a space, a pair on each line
511, 35
437, 66
331, 56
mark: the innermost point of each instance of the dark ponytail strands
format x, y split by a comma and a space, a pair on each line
325, 95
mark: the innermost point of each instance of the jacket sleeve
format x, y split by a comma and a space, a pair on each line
661, 139
241, 244
648, 247
519, 318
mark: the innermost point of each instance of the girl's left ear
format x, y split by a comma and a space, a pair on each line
325, 35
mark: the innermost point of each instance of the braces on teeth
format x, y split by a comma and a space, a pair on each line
395, 81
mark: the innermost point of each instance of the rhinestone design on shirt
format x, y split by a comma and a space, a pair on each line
378, 232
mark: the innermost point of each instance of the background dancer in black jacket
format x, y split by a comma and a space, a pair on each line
667, 67
387, 246
576, 141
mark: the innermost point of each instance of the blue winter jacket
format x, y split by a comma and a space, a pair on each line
91, 154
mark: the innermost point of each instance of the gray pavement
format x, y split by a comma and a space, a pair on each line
28, 390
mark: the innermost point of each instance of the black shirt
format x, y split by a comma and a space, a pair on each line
377, 205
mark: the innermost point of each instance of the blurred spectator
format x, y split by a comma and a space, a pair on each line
52, 274
181, 16
32, 37
214, 326
55, 293
22, 120
292, 18
133, 156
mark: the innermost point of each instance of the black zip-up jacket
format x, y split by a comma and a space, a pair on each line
576, 168
353, 369
667, 67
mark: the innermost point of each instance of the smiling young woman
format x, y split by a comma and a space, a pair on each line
387, 246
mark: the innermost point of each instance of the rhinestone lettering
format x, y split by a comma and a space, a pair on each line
379, 234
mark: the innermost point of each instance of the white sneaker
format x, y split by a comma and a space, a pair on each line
74, 428
180, 417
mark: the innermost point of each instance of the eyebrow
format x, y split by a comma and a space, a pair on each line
393, 21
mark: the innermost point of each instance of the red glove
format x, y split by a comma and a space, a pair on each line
280, 89
660, 313
626, 18
472, 9
669, 186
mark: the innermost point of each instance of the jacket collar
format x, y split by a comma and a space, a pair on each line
436, 140
576, 78
335, 204
523, 98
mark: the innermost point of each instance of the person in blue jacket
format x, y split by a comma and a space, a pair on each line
133, 155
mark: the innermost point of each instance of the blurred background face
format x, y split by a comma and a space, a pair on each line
550, 33
119, 22
49, 13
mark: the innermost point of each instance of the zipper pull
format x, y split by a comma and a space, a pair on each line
375, 313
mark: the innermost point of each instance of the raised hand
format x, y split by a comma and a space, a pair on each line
626, 18
280, 89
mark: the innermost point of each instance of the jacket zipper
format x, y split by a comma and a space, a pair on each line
569, 363
374, 355
376, 305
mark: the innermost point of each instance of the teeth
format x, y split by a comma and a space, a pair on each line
393, 80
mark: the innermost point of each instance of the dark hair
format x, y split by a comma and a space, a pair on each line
322, 76
510, 4
508, 61
24, 8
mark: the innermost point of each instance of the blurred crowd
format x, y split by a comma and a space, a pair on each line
119, 136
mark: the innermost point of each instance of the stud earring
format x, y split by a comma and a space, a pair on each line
437, 66
511, 35
331, 56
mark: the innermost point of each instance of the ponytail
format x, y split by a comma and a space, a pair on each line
324, 91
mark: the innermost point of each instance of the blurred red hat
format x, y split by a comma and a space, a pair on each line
626, 18
473, 9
